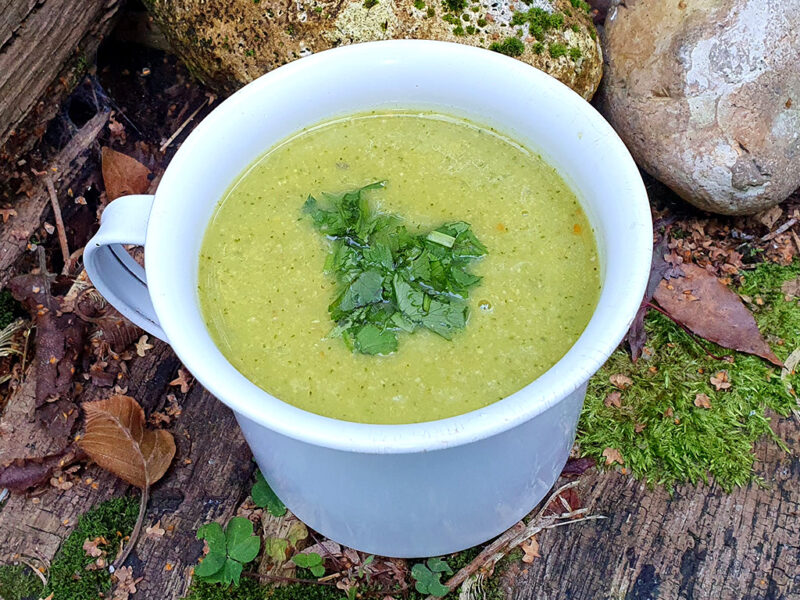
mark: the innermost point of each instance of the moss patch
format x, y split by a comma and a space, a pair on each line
510, 46
10, 309
664, 438
68, 577
18, 582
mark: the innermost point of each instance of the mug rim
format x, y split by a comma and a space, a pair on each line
250, 401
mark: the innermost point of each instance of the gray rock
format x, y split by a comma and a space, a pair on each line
706, 94
228, 43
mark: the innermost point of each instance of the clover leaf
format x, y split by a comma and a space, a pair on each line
311, 561
427, 577
264, 497
228, 550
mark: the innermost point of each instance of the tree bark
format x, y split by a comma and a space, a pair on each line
698, 543
45, 46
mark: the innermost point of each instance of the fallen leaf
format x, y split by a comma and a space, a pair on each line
702, 401
613, 399
669, 412
92, 547
566, 502
142, 346
791, 289
116, 440
531, 550
155, 531
620, 381
612, 455
6, 213
769, 217
577, 466
60, 336
123, 175
720, 381
126, 584
23, 473
184, 380
719, 315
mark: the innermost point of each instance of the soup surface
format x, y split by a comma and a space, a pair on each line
265, 295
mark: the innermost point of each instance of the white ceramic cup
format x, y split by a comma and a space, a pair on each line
398, 490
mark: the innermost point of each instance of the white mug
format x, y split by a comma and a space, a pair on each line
421, 489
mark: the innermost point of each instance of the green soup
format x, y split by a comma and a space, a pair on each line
265, 295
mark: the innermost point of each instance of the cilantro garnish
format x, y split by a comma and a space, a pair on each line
389, 279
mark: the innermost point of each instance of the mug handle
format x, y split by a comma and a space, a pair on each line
119, 278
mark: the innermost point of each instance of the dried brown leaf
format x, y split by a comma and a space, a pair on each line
720, 381
577, 466
24, 473
613, 399
531, 550
791, 289
718, 315
702, 401
123, 175
612, 455
155, 530
620, 381
126, 584
92, 547
142, 346
184, 380
117, 440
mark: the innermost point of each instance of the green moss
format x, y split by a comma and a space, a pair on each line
575, 27
18, 582
454, 6
557, 50
511, 46
538, 48
452, 19
592, 33
470, 29
575, 53
481, 22
539, 21
581, 4
419, 4
458, 30
678, 441
68, 577
431, 11
370, 3
10, 309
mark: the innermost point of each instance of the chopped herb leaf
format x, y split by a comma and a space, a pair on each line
390, 280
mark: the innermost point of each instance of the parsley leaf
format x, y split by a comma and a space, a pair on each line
390, 280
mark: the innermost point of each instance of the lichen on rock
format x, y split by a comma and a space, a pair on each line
228, 43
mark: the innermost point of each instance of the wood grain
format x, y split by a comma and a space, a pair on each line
699, 543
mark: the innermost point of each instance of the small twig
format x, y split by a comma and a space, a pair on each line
691, 334
70, 263
517, 534
137, 529
27, 563
62, 234
209, 100
328, 552
264, 577
788, 225
332, 576
796, 240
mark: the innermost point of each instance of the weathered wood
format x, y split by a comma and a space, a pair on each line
15, 233
44, 47
700, 543
207, 481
